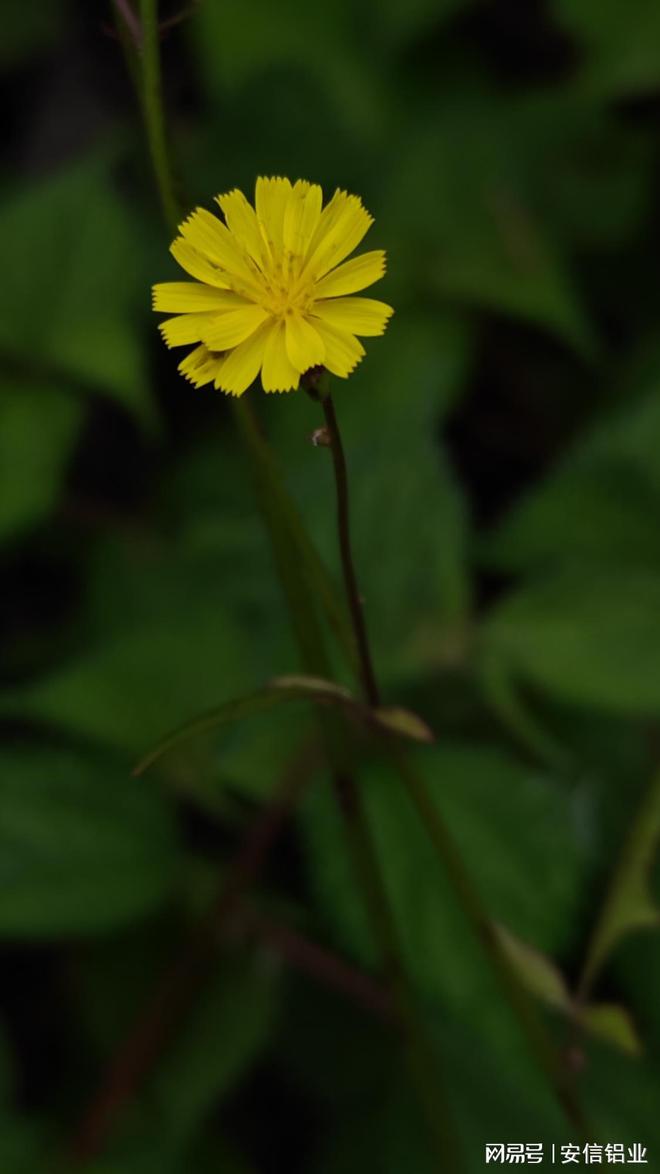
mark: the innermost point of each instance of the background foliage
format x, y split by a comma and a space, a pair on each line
503, 443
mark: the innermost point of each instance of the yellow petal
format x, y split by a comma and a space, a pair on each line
278, 372
226, 330
200, 366
271, 199
196, 265
241, 366
342, 350
185, 328
352, 275
242, 222
301, 216
206, 233
341, 232
181, 297
304, 345
363, 316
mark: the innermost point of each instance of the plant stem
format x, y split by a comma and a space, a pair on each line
541, 1046
367, 675
152, 107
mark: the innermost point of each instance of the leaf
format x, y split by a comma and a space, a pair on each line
229, 1028
472, 231
83, 848
629, 904
602, 500
38, 429
543, 979
278, 692
539, 974
588, 634
621, 44
70, 238
613, 1025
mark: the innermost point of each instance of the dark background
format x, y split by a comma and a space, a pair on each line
503, 442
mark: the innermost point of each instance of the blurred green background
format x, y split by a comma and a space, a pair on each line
503, 440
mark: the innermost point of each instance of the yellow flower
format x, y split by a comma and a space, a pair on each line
270, 289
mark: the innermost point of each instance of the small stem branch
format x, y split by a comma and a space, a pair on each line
367, 674
169, 1000
152, 106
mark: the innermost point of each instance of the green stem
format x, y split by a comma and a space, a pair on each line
152, 108
367, 675
531, 1023
540, 1044
366, 866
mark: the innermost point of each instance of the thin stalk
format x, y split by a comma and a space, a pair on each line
367, 674
532, 1025
152, 108
364, 858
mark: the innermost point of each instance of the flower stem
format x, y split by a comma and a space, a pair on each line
152, 108
367, 675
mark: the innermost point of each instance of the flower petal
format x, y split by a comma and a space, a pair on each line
196, 265
341, 228
271, 199
228, 329
241, 366
182, 297
304, 345
278, 372
363, 316
185, 328
352, 275
301, 217
343, 350
242, 222
200, 366
206, 233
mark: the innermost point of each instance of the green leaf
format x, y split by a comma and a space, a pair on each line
83, 847
69, 243
613, 1025
38, 429
629, 904
29, 27
472, 231
590, 635
621, 44
228, 1029
602, 500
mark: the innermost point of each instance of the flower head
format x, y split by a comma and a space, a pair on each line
272, 288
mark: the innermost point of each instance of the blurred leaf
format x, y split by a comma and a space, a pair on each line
229, 1027
614, 1025
602, 500
629, 904
621, 43
28, 27
543, 978
84, 847
38, 428
471, 229
588, 634
70, 244
538, 972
